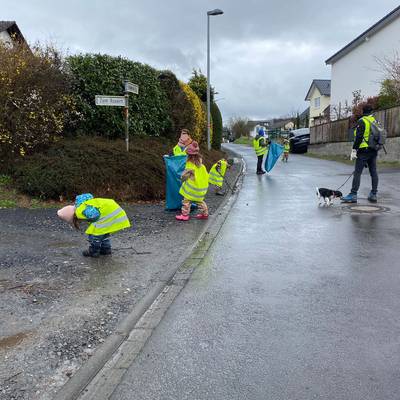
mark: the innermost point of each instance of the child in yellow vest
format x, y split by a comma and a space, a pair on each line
105, 216
217, 174
286, 149
194, 184
183, 143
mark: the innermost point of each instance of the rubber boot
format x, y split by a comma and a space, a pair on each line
350, 198
372, 197
105, 252
91, 253
182, 217
201, 216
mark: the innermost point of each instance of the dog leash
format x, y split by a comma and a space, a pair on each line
345, 181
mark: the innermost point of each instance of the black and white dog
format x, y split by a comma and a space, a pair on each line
328, 195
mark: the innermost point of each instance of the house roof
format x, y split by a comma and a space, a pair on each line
12, 28
323, 85
252, 124
305, 113
389, 18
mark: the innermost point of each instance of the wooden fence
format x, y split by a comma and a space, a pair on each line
340, 131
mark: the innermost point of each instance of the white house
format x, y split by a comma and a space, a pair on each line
10, 33
356, 66
319, 96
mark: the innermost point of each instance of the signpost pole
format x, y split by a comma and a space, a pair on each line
126, 112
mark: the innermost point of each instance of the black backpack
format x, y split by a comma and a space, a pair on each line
377, 136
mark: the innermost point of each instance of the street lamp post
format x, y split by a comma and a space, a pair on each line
209, 13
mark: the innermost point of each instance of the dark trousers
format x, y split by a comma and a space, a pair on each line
99, 243
259, 163
367, 157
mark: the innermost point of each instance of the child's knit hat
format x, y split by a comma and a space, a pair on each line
193, 148
82, 198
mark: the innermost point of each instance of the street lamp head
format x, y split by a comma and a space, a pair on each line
217, 11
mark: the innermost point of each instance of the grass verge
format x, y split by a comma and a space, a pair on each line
244, 140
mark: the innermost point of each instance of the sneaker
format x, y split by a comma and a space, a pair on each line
90, 253
220, 193
182, 217
261, 172
201, 216
372, 198
350, 198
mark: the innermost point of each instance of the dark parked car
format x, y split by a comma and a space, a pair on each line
299, 140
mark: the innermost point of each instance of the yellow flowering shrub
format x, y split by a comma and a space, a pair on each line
199, 129
35, 99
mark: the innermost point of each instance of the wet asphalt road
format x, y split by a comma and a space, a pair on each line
293, 302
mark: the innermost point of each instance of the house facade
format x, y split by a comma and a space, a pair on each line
356, 66
10, 33
319, 96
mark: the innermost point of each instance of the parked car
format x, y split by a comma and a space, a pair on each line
299, 140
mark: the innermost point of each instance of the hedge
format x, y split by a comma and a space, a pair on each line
199, 129
217, 126
180, 107
97, 74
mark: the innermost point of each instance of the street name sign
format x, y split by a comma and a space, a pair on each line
116, 101
131, 87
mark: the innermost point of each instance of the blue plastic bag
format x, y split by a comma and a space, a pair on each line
174, 165
274, 152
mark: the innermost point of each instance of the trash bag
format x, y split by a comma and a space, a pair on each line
175, 166
274, 153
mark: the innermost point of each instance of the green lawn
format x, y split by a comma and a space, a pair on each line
244, 140
10, 198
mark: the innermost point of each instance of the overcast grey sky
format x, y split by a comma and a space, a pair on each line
264, 54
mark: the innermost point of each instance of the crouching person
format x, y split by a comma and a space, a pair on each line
105, 217
194, 184
217, 174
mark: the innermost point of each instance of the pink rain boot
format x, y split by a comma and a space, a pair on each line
201, 216
182, 217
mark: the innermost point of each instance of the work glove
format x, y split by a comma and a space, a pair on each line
353, 154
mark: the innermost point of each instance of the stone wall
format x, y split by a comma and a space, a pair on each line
343, 149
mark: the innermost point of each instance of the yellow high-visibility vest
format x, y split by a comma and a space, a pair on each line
112, 217
195, 189
367, 121
286, 147
260, 150
217, 177
178, 151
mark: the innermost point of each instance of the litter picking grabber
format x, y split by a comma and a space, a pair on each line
226, 181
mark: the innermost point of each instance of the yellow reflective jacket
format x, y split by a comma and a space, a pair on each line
260, 150
367, 122
195, 189
216, 177
112, 217
178, 151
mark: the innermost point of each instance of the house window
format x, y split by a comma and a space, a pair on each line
317, 102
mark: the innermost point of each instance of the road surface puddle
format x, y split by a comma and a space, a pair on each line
14, 340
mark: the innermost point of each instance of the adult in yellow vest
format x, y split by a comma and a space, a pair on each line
364, 155
183, 143
195, 184
105, 216
217, 174
260, 144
